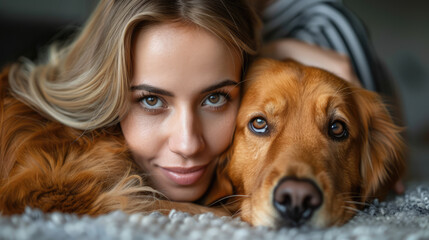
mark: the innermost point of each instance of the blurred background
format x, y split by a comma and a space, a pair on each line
398, 30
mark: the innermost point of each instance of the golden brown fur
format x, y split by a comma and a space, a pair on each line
299, 103
47, 165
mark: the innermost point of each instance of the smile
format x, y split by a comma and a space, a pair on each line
184, 176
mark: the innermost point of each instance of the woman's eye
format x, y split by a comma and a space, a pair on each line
152, 102
215, 100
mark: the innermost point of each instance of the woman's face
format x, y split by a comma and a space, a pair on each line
185, 97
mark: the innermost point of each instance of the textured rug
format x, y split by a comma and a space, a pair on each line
400, 217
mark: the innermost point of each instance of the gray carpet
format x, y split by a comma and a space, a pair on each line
400, 217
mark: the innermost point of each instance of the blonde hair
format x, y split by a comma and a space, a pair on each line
85, 83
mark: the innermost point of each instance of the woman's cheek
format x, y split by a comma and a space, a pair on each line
220, 130
142, 134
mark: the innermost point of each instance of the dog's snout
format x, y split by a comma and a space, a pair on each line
296, 200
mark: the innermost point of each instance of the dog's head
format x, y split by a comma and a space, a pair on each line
309, 147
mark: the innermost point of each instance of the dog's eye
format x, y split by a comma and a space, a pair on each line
338, 130
258, 125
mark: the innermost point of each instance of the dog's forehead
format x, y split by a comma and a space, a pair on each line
269, 83
296, 92
274, 84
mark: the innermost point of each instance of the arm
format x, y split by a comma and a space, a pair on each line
311, 55
329, 29
291, 47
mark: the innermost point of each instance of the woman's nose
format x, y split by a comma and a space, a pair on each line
186, 138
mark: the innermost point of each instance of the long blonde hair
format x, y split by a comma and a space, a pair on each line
84, 84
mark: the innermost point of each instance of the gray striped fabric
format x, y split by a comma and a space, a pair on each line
329, 24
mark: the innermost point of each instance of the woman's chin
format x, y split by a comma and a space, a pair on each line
185, 194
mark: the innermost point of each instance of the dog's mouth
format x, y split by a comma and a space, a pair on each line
295, 201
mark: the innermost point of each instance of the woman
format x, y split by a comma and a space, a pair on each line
165, 74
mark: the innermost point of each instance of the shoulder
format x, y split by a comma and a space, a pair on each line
291, 17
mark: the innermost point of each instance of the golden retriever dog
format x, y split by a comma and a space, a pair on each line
309, 148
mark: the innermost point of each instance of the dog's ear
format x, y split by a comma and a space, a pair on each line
222, 185
382, 159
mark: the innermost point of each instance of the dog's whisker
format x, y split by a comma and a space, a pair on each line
357, 196
352, 209
358, 203
236, 214
238, 84
346, 193
349, 195
230, 196
231, 203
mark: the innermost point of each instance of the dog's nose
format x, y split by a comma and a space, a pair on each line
296, 200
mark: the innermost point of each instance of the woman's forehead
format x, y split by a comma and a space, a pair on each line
170, 57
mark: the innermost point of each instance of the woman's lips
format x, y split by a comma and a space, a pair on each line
184, 176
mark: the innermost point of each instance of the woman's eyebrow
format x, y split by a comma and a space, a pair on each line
160, 91
151, 89
227, 82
